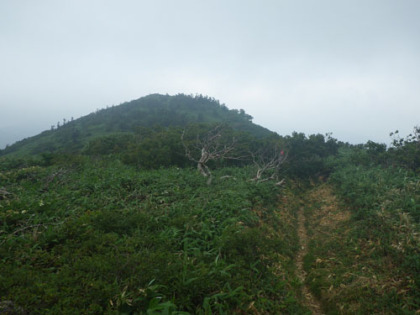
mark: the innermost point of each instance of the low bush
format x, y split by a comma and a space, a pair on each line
103, 237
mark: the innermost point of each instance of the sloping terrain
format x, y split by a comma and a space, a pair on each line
100, 237
130, 117
308, 298
108, 214
349, 274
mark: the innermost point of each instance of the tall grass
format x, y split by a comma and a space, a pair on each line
370, 262
97, 236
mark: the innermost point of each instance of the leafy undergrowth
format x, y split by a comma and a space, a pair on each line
101, 237
364, 259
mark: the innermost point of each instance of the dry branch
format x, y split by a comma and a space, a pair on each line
268, 163
208, 148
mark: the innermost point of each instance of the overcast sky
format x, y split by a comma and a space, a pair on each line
347, 67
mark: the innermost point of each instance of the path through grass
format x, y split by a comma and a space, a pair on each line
345, 272
307, 297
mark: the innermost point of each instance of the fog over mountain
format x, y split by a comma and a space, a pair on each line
350, 68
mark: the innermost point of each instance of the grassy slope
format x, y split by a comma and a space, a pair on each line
362, 266
148, 111
100, 237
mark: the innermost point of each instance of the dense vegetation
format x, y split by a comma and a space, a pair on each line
100, 237
114, 123
108, 214
371, 262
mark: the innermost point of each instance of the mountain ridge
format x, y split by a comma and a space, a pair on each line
148, 111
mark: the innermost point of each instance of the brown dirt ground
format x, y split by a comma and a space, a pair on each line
308, 299
330, 215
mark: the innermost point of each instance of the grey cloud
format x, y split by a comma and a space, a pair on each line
351, 67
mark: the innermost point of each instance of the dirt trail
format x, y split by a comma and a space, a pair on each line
326, 217
308, 299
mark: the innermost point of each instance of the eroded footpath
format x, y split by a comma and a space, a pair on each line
319, 214
307, 297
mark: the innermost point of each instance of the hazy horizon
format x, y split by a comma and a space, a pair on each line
350, 68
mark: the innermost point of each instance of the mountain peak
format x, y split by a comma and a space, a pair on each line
146, 112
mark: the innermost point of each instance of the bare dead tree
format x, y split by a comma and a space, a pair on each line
208, 147
268, 163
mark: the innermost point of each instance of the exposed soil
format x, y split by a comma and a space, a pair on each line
308, 299
325, 218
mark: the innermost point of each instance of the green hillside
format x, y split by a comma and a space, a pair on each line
150, 111
177, 205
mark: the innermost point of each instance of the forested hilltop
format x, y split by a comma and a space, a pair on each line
177, 205
162, 111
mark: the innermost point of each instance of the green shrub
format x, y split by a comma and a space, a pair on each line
103, 237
